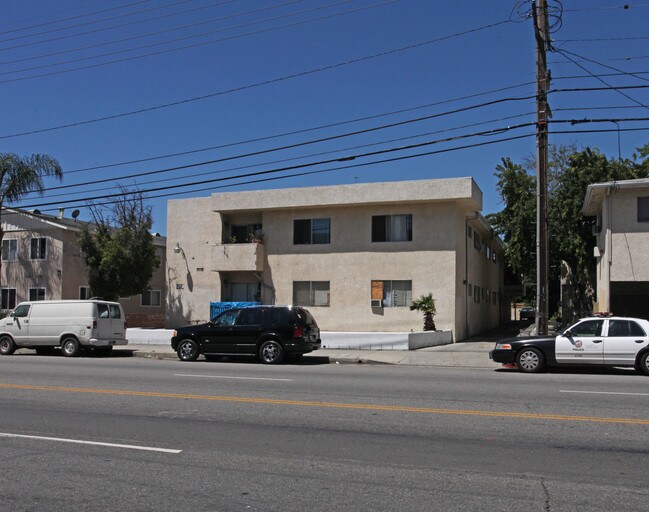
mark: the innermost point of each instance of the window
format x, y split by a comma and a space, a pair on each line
245, 292
227, 318
624, 328
150, 298
37, 293
470, 290
392, 294
588, 328
477, 242
37, 250
392, 228
488, 252
643, 209
311, 293
469, 231
476, 293
84, 292
250, 316
103, 311
21, 311
311, 231
8, 298
10, 249
114, 311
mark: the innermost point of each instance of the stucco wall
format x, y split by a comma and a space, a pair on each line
630, 237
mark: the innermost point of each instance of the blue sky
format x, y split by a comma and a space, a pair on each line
263, 68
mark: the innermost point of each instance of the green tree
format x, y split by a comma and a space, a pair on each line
426, 304
571, 241
21, 175
118, 248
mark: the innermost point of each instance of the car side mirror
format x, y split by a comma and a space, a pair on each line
567, 333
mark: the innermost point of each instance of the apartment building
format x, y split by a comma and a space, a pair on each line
41, 260
355, 255
621, 239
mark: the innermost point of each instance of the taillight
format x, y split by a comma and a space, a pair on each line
124, 324
94, 324
298, 331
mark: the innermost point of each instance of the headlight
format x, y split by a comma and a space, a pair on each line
503, 346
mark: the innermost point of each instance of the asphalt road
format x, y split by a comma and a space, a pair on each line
140, 435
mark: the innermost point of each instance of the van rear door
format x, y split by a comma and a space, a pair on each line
104, 326
118, 330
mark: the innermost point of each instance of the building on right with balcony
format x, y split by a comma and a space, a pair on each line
621, 235
356, 255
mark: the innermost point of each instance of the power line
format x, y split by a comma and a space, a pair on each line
114, 27
194, 45
364, 164
74, 17
253, 85
183, 38
615, 7
96, 21
301, 131
564, 52
140, 36
231, 169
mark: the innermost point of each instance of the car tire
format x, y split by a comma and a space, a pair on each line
187, 350
643, 363
70, 347
7, 346
271, 352
530, 360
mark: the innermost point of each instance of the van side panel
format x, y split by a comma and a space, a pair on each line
49, 321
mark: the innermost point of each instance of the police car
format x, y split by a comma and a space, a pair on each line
603, 340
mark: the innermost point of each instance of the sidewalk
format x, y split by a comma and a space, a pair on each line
471, 353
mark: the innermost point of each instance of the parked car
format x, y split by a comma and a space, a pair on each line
66, 324
602, 341
272, 333
528, 313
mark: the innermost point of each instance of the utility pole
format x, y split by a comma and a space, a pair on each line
542, 36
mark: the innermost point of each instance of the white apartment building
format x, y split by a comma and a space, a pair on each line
354, 255
621, 236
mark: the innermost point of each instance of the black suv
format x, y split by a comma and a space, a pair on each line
269, 332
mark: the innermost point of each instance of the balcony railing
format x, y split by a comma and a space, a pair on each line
238, 257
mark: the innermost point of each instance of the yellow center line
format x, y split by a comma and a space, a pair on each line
335, 405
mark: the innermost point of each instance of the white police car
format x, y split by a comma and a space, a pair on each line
602, 340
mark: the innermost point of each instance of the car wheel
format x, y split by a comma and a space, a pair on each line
642, 366
7, 346
187, 350
530, 360
271, 352
70, 347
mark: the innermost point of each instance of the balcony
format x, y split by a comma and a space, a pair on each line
238, 257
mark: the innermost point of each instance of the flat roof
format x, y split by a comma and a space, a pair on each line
596, 192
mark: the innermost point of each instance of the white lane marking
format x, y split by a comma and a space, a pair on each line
96, 443
227, 377
602, 393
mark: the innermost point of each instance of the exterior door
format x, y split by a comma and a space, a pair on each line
219, 337
18, 324
582, 344
248, 329
625, 338
104, 325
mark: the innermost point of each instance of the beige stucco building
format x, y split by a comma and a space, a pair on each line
41, 260
355, 255
621, 237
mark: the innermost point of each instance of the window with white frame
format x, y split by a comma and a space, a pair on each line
10, 249
150, 298
311, 293
84, 292
311, 231
392, 294
38, 248
8, 298
392, 228
36, 294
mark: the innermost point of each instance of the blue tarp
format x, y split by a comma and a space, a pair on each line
216, 308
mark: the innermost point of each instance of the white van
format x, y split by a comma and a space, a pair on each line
68, 324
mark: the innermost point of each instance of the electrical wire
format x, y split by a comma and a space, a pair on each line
252, 85
195, 45
622, 72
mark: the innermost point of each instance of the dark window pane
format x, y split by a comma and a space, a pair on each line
379, 228
321, 231
618, 328
643, 209
301, 293
302, 231
250, 316
636, 330
588, 328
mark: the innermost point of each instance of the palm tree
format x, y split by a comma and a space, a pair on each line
21, 175
426, 304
